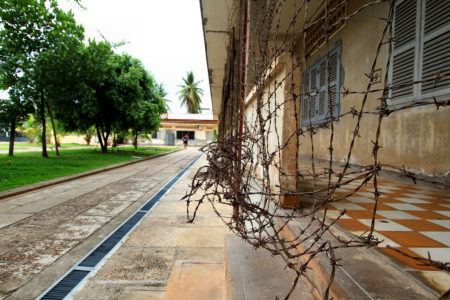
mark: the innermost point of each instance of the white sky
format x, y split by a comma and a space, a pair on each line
166, 35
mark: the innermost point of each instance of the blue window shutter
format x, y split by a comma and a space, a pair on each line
405, 50
436, 44
315, 107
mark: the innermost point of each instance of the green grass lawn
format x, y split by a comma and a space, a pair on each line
30, 167
20, 145
6, 147
68, 145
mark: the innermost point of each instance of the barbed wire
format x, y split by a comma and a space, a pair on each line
245, 168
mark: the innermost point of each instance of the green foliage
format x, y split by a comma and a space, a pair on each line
13, 111
51, 73
118, 95
137, 96
33, 130
190, 93
161, 92
32, 32
88, 134
214, 136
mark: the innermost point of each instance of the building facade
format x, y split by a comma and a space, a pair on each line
357, 83
200, 128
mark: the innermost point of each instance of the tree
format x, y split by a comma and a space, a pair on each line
190, 93
162, 94
13, 111
116, 96
31, 29
145, 98
31, 129
92, 103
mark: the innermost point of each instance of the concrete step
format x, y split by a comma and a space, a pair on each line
194, 280
257, 275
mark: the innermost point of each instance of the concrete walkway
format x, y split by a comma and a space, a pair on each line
45, 232
163, 243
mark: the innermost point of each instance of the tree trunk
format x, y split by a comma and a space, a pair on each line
53, 126
100, 139
135, 142
12, 137
105, 141
44, 138
114, 143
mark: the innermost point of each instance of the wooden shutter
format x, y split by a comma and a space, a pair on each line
331, 65
305, 99
322, 105
405, 52
313, 99
335, 66
436, 44
309, 101
315, 108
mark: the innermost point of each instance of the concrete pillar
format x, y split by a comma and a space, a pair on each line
289, 162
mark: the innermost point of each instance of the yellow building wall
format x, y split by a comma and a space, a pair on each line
417, 138
73, 139
200, 130
272, 97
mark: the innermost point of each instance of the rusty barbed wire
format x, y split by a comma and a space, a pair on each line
244, 166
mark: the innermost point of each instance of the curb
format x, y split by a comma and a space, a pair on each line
43, 184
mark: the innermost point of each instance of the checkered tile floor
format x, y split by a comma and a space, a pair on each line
412, 218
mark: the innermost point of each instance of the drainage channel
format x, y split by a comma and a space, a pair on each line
70, 281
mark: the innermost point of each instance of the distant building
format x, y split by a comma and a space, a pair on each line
199, 127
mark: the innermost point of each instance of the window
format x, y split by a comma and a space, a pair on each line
180, 135
209, 135
421, 49
315, 81
158, 134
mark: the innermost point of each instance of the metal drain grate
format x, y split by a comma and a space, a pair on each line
65, 286
103, 249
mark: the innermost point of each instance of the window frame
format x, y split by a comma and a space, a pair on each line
318, 119
420, 39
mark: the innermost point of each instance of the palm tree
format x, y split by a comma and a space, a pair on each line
161, 92
190, 93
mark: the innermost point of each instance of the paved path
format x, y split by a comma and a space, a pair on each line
140, 268
45, 232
